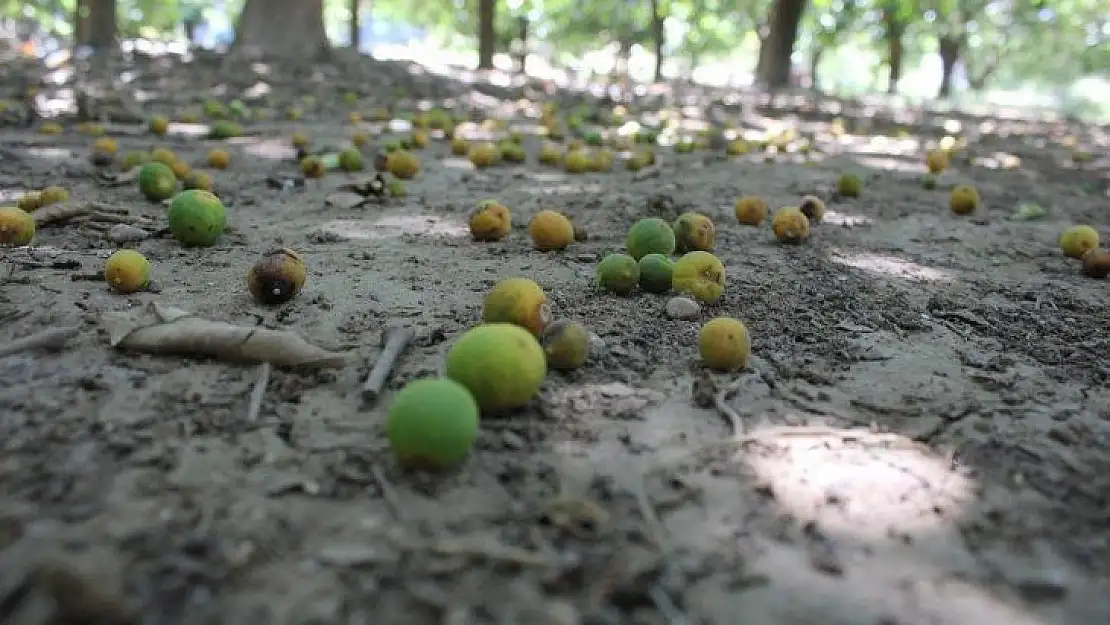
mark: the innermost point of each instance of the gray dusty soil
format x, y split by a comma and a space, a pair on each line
924, 437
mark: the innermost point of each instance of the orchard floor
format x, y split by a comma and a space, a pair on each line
927, 413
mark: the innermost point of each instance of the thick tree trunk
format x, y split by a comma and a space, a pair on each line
291, 29
95, 23
949, 55
355, 25
659, 38
774, 54
487, 33
894, 30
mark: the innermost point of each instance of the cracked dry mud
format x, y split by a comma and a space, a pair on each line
926, 419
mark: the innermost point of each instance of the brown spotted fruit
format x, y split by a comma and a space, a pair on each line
277, 277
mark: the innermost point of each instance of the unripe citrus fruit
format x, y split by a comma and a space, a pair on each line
157, 181
491, 221
127, 271
618, 274
964, 199
432, 423
502, 365
196, 218
566, 344
551, 230
656, 273
694, 231
650, 236
17, 227
790, 225
751, 210
519, 301
701, 275
724, 344
1078, 240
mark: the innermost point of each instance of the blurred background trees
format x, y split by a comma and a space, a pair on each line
913, 48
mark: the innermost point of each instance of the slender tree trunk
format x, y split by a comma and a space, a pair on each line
894, 32
487, 33
521, 52
264, 29
815, 66
659, 38
95, 23
950, 46
355, 25
775, 52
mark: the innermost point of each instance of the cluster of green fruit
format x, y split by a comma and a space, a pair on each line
399, 163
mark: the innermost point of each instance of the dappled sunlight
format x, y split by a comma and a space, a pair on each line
890, 164
392, 226
193, 131
879, 473
837, 218
50, 154
270, 149
458, 163
891, 266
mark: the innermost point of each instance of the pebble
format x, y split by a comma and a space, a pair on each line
123, 233
682, 308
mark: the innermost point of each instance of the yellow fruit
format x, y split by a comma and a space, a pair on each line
30, 201
191, 117
181, 170
354, 117
936, 161
511, 152
551, 230
790, 225
17, 227
460, 146
694, 231
484, 154
219, 159
403, 164
418, 139
313, 167
198, 180
127, 271
650, 235
813, 208
566, 344
701, 275
1078, 240
432, 424
601, 160
491, 221
551, 153
53, 195
299, 140
105, 145
724, 344
849, 185
576, 161
164, 156
518, 301
501, 364
159, 125
1096, 263
277, 277
50, 128
618, 273
132, 160
737, 147
359, 139
751, 210
964, 199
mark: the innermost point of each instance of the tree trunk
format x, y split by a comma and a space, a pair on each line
95, 23
521, 52
949, 55
292, 29
659, 38
487, 34
894, 30
815, 66
774, 54
355, 25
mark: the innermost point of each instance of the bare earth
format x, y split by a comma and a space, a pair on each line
926, 420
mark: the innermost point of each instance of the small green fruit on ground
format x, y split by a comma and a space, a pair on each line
225, 130
724, 344
432, 424
157, 182
567, 345
964, 199
929, 182
849, 185
650, 236
502, 364
656, 273
701, 275
351, 160
197, 218
618, 274
127, 271
1078, 240
17, 227
694, 231
519, 301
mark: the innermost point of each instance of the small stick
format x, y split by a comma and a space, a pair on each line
392, 500
47, 339
396, 342
258, 392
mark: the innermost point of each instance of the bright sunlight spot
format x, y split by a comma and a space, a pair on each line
394, 226
892, 267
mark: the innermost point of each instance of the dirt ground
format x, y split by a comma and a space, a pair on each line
925, 422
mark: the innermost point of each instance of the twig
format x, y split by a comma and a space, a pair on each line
396, 342
53, 338
666, 606
258, 392
389, 494
647, 511
720, 402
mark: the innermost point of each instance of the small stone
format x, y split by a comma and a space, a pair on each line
124, 233
682, 308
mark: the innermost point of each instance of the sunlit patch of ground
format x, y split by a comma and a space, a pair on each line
392, 226
843, 219
891, 266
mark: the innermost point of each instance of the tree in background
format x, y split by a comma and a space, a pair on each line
95, 23
291, 29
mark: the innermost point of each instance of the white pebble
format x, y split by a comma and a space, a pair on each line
682, 308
